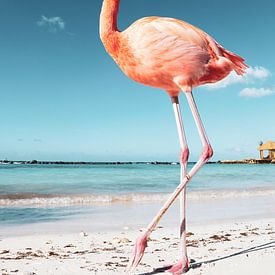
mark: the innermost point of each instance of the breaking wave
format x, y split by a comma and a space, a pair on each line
40, 200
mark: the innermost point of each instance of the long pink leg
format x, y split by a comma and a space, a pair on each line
183, 265
184, 154
206, 154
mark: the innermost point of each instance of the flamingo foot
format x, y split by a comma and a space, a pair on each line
139, 248
179, 268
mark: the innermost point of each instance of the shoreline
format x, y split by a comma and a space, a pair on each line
59, 200
55, 219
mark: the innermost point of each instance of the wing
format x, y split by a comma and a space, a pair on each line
160, 43
160, 35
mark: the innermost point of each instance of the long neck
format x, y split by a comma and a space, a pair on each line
108, 18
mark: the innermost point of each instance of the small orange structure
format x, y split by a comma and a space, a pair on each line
269, 146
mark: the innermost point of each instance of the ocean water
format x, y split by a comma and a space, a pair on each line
41, 193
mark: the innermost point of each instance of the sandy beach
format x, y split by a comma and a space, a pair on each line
217, 247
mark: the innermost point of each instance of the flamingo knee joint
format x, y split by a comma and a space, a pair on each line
184, 155
207, 152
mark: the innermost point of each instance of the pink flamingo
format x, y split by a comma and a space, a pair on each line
175, 56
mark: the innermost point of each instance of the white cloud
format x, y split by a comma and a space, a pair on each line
53, 24
256, 92
252, 75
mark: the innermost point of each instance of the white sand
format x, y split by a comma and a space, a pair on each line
109, 252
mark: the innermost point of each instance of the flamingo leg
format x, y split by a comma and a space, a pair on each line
206, 154
184, 154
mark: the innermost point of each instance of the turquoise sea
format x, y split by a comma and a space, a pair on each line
39, 193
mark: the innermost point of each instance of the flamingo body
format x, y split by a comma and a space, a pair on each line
168, 53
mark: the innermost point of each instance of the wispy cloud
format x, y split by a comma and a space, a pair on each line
256, 92
53, 24
252, 75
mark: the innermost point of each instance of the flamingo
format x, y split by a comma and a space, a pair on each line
175, 56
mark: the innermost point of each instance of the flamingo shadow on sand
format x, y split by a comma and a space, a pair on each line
194, 264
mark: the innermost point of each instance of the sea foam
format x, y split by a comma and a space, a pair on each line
37, 200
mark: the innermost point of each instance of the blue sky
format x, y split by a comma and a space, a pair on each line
63, 98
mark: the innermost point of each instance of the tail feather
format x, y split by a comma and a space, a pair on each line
238, 62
